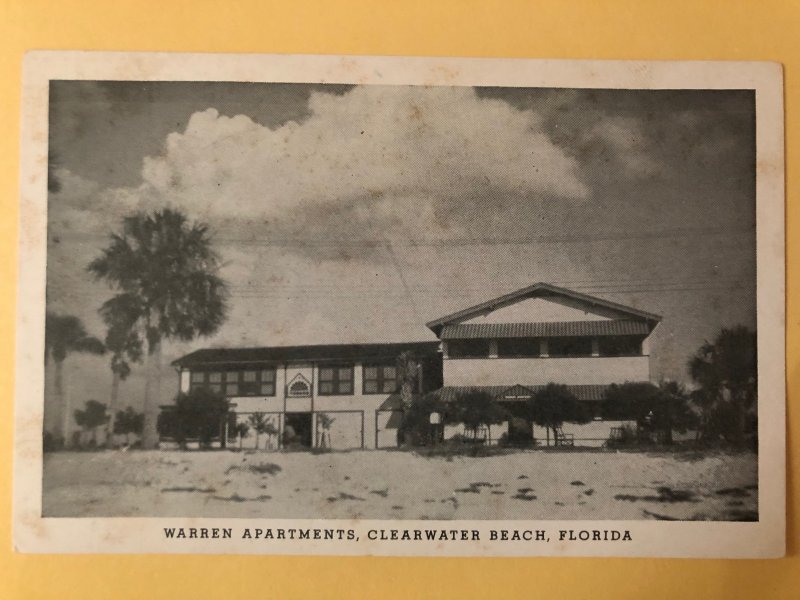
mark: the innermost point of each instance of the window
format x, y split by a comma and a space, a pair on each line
215, 382
249, 383
232, 383
236, 383
468, 348
299, 389
380, 379
518, 347
620, 346
336, 380
569, 346
268, 382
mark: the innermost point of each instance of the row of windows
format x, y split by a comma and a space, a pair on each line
236, 383
335, 380
556, 347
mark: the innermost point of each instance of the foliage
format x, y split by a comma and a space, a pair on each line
128, 421
93, 415
476, 408
554, 404
261, 424
408, 373
657, 410
242, 429
165, 272
625, 436
726, 372
415, 428
122, 338
65, 334
89, 419
198, 414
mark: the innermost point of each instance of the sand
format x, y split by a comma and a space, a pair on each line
401, 485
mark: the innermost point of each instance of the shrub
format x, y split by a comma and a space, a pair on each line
199, 414
553, 405
416, 429
477, 408
90, 418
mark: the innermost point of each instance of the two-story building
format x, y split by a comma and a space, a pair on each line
513, 345
347, 395
337, 396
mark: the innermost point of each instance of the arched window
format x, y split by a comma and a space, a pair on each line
299, 389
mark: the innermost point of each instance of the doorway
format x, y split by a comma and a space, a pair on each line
297, 430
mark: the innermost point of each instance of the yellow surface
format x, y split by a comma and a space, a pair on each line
736, 30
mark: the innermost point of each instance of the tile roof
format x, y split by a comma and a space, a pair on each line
506, 393
467, 331
232, 356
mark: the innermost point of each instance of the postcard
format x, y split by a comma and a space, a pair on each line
400, 306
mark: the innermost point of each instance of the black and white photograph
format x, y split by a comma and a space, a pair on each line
350, 300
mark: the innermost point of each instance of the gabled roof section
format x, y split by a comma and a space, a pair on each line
541, 290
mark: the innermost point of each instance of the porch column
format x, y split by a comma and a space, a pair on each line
595, 346
492, 348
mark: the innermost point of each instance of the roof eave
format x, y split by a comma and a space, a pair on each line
437, 324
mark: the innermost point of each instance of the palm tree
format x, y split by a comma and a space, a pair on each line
727, 373
165, 272
408, 374
64, 335
125, 345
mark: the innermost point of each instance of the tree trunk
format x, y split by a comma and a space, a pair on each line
406, 393
742, 417
151, 392
63, 402
112, 407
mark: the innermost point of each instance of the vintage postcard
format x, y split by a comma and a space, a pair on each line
400, 306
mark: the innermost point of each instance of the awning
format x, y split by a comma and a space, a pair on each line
521, 393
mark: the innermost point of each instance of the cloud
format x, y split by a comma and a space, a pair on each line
375, 161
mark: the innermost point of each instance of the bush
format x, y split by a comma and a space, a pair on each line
553, 405
627, 437
416, 428
89, 419
200, 415
477, 408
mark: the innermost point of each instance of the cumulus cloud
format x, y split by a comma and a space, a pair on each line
374, 159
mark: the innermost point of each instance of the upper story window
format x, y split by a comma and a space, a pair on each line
620, 346
468, 348
518, 348
380, 379
267, 382
336, 380
236, 383
569, 346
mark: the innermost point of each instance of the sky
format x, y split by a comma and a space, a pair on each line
357, 213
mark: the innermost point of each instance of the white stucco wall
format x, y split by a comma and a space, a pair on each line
538, 310
541, 371
345, 410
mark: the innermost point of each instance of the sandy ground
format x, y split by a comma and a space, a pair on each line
401, 485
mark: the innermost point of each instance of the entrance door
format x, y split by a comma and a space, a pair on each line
297, 430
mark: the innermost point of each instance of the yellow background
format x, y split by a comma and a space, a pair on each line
732, 30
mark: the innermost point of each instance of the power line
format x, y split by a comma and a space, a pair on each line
456, 242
